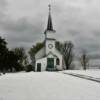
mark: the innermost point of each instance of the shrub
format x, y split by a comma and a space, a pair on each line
29, 68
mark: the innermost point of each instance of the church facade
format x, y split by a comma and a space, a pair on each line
49, 58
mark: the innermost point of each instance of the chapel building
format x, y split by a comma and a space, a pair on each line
49, 58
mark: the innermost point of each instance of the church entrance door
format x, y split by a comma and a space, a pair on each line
38, 67
50, 64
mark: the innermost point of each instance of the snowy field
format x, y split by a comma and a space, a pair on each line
47, 86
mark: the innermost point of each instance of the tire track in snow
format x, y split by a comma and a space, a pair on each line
84, 77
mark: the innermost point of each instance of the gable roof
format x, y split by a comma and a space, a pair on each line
51, 54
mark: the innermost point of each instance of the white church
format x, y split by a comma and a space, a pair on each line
49, 58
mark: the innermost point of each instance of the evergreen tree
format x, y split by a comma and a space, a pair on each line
21, 56
3, 54
34, 50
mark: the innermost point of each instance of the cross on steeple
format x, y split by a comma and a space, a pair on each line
49, 7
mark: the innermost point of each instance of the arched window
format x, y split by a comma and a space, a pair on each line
57, 61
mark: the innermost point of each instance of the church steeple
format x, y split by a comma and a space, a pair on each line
50, 25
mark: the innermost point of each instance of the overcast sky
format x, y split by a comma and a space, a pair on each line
22, 22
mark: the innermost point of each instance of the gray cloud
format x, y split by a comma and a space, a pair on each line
22, 23
3, 4
22, 32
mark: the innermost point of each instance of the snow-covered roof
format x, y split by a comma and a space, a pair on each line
40, 53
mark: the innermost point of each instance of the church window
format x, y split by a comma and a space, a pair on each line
57, 61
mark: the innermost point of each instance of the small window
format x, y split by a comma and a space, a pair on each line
57, 61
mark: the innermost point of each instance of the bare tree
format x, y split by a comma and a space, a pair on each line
84, 59
68, 53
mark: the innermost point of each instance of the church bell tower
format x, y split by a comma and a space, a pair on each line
49, 35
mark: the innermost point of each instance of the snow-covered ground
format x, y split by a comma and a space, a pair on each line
92, 73
47, 86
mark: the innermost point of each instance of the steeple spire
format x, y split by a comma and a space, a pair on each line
49, 25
